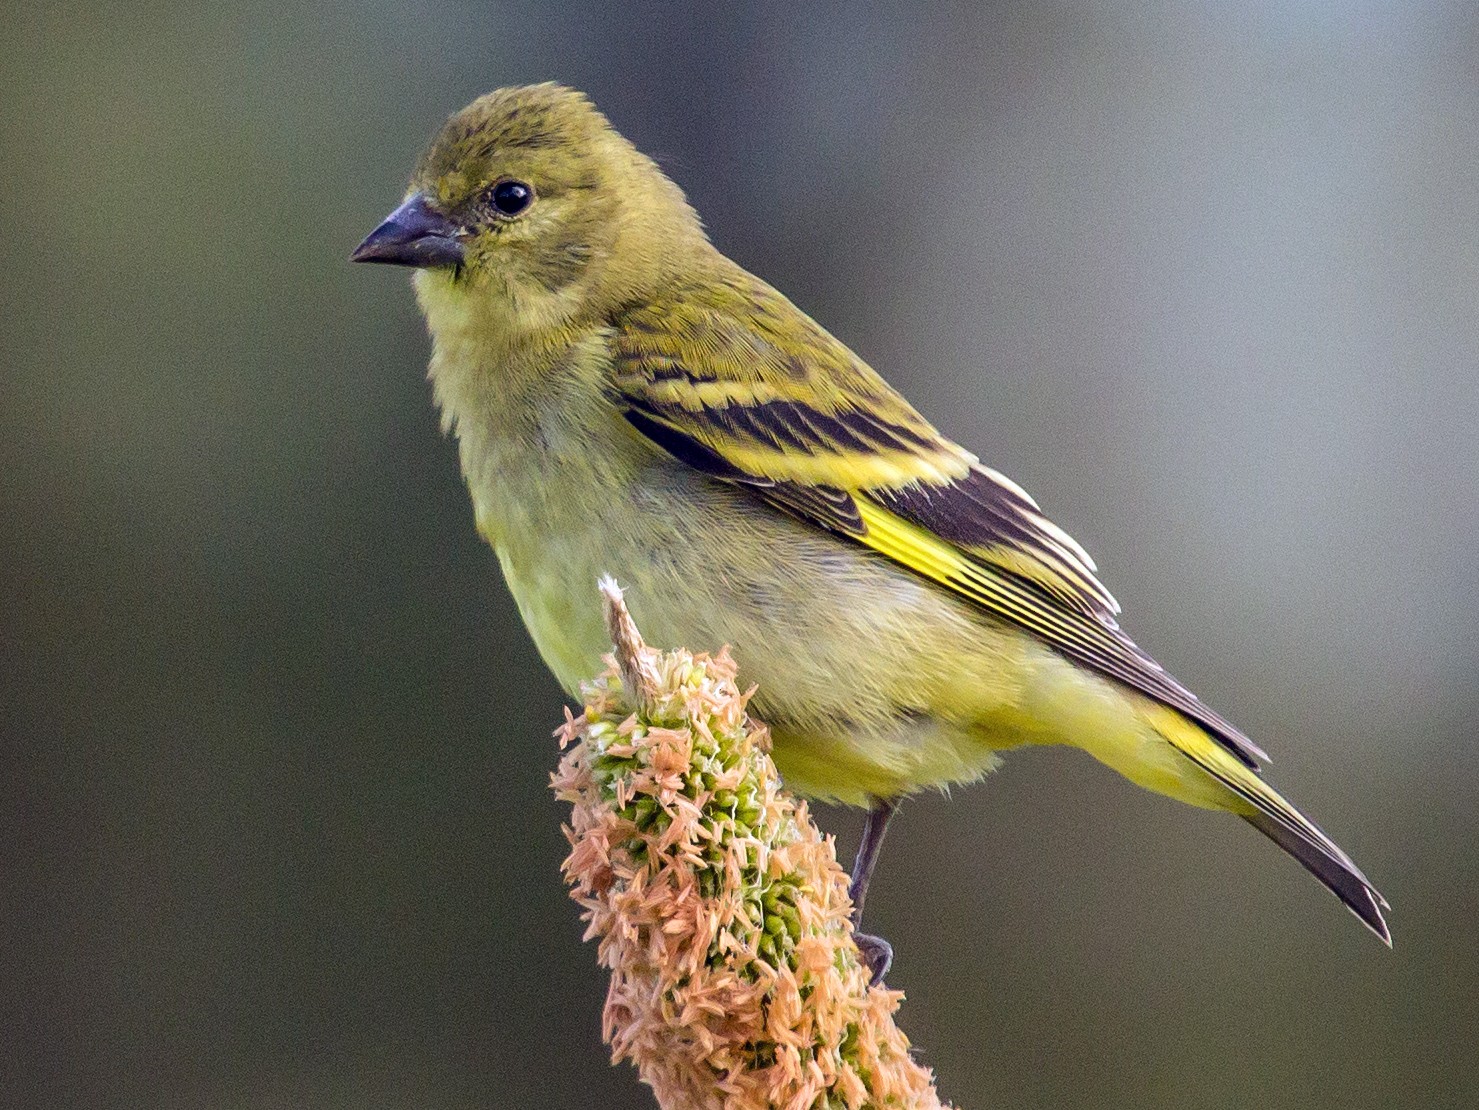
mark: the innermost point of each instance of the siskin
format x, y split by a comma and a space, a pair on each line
628, 401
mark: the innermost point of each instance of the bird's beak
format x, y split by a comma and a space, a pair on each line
415, 234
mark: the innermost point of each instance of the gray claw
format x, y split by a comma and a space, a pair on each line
877, 954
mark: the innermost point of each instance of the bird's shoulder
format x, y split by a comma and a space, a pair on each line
749, 375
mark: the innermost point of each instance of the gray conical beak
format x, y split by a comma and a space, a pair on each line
415, 234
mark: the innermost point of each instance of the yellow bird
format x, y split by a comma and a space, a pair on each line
628, 401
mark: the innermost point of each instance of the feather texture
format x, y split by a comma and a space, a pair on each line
734, 380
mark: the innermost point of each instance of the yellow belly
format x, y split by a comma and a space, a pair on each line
874, 682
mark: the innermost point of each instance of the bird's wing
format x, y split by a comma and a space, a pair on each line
761, 396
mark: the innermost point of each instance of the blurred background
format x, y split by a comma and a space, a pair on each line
275, 824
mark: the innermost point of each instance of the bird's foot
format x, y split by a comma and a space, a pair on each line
877, 954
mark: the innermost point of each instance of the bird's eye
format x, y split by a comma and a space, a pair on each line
510, 197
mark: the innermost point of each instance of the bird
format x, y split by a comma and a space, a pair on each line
629, 402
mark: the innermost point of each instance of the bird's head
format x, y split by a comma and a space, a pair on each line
530, 207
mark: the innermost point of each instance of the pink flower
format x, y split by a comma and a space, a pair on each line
719, 908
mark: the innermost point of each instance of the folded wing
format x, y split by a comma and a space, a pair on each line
736, 381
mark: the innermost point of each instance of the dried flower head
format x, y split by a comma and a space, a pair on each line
721, 910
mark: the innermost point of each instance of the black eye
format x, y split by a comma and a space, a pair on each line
511, 197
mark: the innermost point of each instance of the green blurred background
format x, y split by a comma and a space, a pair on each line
275, 826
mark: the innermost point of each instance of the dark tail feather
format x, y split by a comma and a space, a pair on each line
1266, 810
1334, 869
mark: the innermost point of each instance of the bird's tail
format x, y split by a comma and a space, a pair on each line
1265, 809
1327, 863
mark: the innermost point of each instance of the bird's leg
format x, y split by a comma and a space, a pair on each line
877, 953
